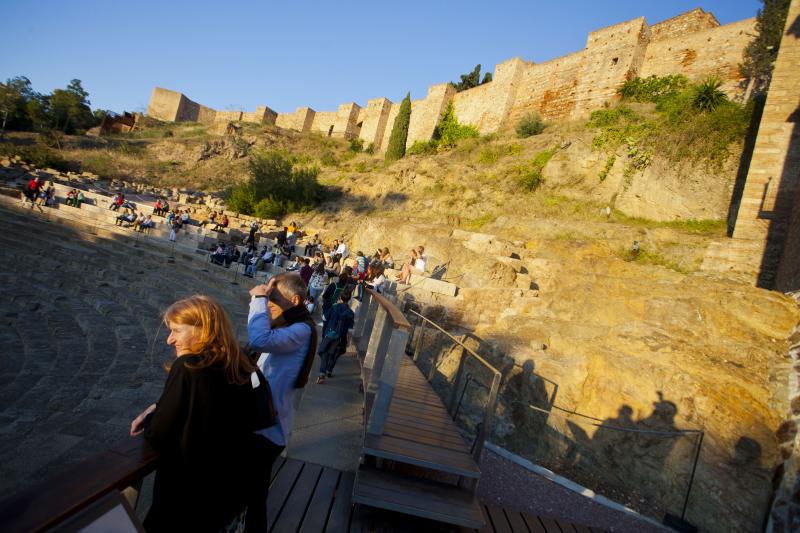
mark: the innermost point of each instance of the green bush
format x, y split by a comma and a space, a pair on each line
529, 125
38, 155
607, 168
530, 177
448, 131
328, 159
356, 145
423, 148
396, 148
275, 187
708, 96
370, 149
652, 88
361, 166
676, 131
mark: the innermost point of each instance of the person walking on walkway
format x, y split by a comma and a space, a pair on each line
279, 327
334, 336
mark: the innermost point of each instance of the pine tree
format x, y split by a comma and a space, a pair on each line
487, 78
397, 141
762, 51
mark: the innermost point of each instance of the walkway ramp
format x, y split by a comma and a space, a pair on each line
414, 460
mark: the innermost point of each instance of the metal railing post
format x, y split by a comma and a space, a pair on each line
418, 344
457, 383
488, 414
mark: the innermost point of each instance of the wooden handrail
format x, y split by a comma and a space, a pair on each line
44, 505
398, 318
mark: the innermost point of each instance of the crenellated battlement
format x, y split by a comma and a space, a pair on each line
570, 86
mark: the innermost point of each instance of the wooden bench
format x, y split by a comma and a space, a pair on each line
414, 460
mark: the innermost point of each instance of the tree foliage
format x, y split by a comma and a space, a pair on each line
275, 187
67, 110
761, 52
396, 148
472, 79
448, 130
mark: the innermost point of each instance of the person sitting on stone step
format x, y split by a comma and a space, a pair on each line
126, 219
116, 201
70, 201
218, 256
147, 223
415, 265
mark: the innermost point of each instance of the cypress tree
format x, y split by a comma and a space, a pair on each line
397, 141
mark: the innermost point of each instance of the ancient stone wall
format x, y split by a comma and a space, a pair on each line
228, 116
373, 120
570, 86
788, 278
716, 51
425, 113
346, 123
683, 24
300, 120
548, 88
487, 105
164, 104
324, 122
612, 56
766, 219
394, 109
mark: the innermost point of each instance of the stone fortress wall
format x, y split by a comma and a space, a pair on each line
693, 44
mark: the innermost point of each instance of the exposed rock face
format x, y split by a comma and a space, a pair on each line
632, 345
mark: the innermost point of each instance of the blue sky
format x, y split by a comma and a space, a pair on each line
240, 54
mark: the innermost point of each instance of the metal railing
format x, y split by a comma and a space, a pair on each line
454, 404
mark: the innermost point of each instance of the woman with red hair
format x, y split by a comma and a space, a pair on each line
203, 424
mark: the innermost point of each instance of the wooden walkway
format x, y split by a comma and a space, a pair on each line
309, 498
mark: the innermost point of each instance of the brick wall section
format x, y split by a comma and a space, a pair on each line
716, 51
346, 123
788, 277
487, 106
300, 120
228, 116
548, 88
685, 23
164, 104
425, 114
374, 118
394, 109
770, 191
324, 122
612, 56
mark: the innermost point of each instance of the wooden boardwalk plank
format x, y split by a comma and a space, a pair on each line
339, 519
281, 488
516, 522
498, 519
418, 497
550, 525
534, 525
294, 510
320, 506
421, 455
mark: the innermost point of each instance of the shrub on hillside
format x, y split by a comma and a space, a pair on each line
396, 148
423, 148
328, 159
708, 96
275, 187
448, 131
653, 88
38, 155
529, 177
356, 145
529, 125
